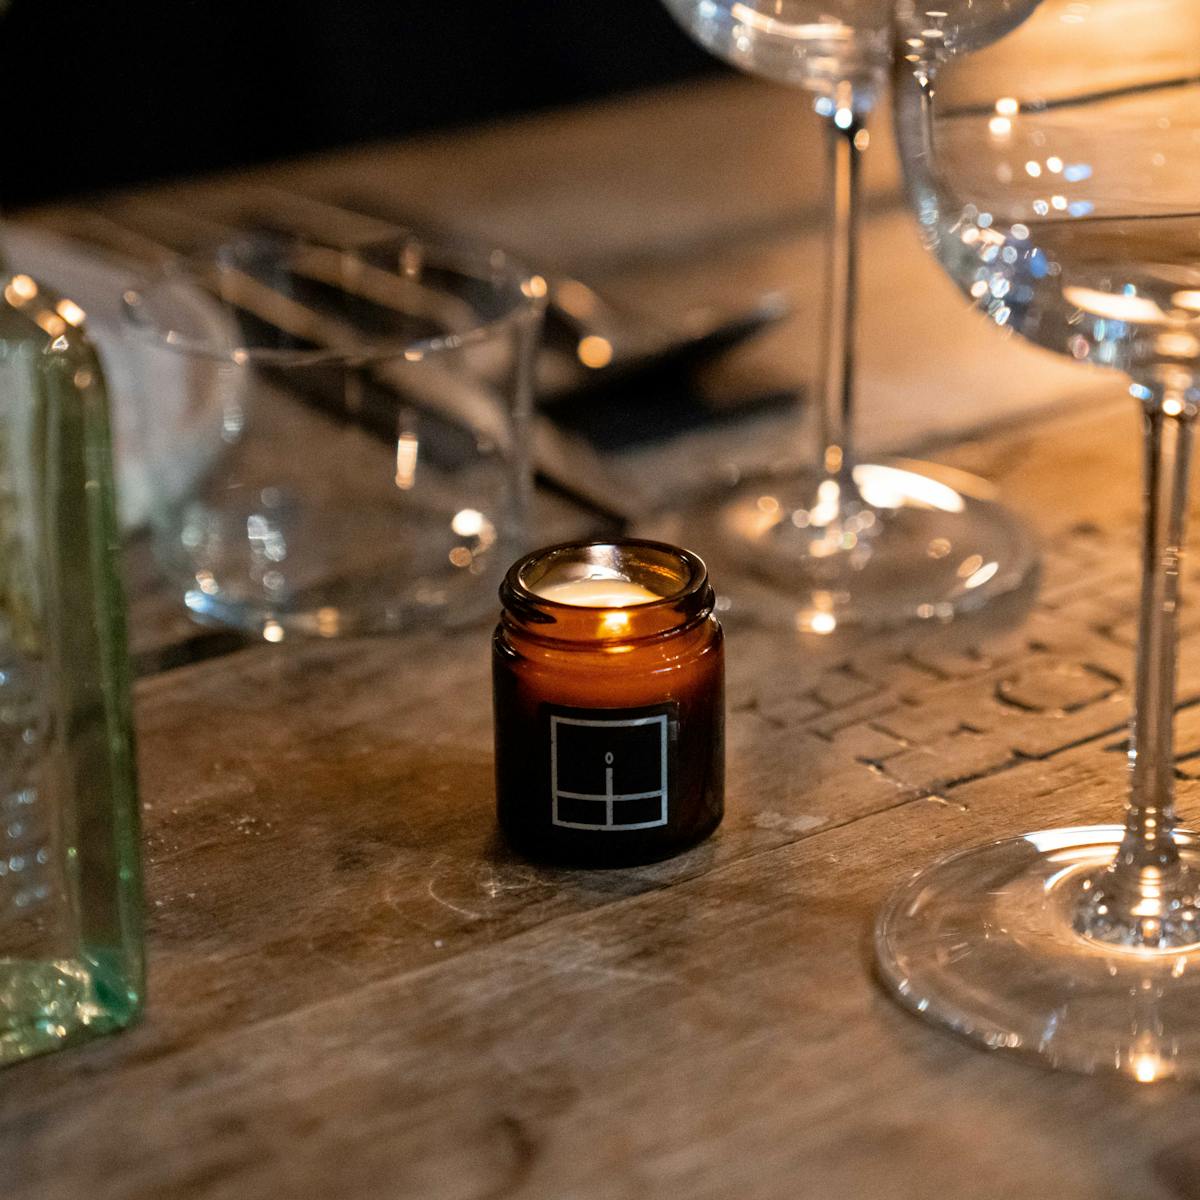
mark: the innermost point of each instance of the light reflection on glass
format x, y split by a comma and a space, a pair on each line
615, 624
969, 566
594, 351
534, 287
1147, 1067
1138, 310
23, 287
407, 446
980, 577
1177, 344
70, 312
467, 522
890, 487
827, 507
575, 298
1047, 841
51, 323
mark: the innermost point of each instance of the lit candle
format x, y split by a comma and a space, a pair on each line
598, 593
608, 670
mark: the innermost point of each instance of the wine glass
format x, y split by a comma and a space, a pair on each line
1054, 174
848, 543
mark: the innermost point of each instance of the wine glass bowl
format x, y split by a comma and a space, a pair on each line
804, 43
1069, 213
931, 31
1053, 173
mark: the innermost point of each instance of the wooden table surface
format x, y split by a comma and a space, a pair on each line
357, 991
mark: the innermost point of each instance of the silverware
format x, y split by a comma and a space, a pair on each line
593, 346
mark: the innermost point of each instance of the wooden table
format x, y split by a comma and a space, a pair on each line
358, 992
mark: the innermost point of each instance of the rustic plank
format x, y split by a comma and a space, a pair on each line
722, 1037
564, 189
357, 991
320, 829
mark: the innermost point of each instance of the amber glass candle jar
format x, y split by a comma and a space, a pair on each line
608, 684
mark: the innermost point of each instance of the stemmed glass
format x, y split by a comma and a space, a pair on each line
849, 542
1055, 175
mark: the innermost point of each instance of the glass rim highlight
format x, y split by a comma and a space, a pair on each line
522, 291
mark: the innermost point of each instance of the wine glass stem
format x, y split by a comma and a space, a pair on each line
1151, 815
1146, 897
846, 138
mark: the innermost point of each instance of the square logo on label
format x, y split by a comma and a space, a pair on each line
609, 774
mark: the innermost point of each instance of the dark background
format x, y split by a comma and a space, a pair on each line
105, 94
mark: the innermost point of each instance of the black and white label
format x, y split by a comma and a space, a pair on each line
610, 769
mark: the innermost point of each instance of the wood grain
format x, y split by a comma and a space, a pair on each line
356, 991
632, 179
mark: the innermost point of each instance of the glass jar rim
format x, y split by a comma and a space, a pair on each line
522, 292
692, 600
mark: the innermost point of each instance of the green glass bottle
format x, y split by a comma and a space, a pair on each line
71, 963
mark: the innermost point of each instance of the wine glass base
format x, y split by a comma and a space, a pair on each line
402, 615
983, 943
913, 542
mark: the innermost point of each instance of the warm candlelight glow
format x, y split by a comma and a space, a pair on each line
598, 593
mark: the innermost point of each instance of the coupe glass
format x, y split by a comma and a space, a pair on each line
1054, 173
849, 542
